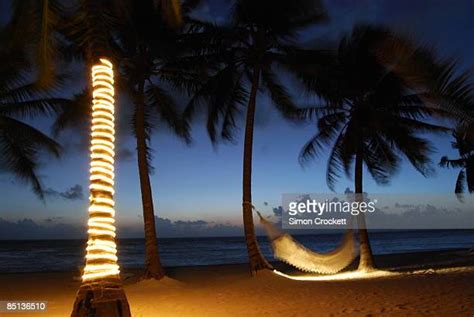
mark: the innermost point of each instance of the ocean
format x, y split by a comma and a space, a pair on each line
68, 255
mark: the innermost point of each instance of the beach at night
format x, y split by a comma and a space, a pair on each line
236, 158
430, 283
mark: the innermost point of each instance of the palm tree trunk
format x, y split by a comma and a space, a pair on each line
256, 259
153, 267
101, 292
366, 262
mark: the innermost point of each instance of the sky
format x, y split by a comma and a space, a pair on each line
200, 185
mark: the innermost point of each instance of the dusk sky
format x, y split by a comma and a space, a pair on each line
202, 182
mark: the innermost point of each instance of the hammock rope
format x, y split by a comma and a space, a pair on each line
290, 251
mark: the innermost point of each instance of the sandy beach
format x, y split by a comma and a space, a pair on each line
429, 283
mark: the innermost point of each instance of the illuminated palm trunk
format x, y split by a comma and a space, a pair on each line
101, 258
101, 293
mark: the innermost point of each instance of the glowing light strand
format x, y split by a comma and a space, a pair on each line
101, 257
350, 275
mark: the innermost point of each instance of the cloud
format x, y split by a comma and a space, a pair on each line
398, 205
29, 229
406, 213
125, 155
53, 219
195, 228
56, 228
167, 228
76, 141
422, 216
278, 211
73, 193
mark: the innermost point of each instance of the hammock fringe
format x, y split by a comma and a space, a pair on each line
290, 251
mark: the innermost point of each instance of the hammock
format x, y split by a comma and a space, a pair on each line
288, 250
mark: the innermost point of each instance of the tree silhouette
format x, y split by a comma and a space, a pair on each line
384, 92
464, 144
142, 44
242, 58
23, 97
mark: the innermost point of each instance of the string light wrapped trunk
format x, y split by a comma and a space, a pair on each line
101, 292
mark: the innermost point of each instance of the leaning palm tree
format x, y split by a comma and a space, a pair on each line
243, 58
464, 144
21, 97
376, 107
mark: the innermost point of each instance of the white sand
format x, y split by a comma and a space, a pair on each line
230, 291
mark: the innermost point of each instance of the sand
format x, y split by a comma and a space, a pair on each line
418, 284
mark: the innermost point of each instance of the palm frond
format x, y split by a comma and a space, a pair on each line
91, 28
76, 113
236, 102
34, 108
335, 163
420, 126
221, 93
460, 182
286, 19
329, 127
454, 92
403, 92
470, 174
36, 24
165, 106
279, 95
381, 161
417, 151
446, 162
20, 145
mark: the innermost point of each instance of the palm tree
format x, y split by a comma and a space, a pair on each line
380, 100
464, 144
242, 59
90, 30
143, 41
22, 97
101, 274
146, 42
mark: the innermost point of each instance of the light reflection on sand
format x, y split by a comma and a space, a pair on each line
357, 275
336, 277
